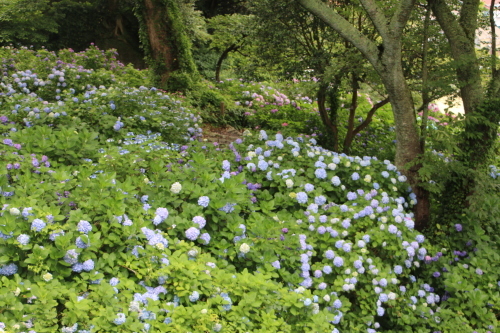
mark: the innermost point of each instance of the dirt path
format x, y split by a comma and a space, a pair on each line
222, 135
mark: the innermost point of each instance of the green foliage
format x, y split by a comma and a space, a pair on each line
26, 22
126, 233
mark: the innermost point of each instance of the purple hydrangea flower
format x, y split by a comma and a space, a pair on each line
458, 227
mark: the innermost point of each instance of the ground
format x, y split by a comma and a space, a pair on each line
222, 135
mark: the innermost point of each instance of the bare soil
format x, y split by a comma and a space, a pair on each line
222, 135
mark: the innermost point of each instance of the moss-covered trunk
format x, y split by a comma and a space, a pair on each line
165, 42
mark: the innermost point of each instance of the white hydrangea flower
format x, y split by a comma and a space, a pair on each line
289, 183
176, 188
244, 248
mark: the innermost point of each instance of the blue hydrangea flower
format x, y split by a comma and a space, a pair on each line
204, 201
307, 302
114, 281
205, 237
320, 173
84, 226
276, 264
380, 311
228, 208
88, 265
398, 269
200, 221
392, 229
9, 269
420, 238
226, 166
81, 244
120, 318
262, 165
162, 213
320, 200
336, 181
192, 233
309, 187
37, 225
352, 196
329, 254
338, 262
355, 176
71, 257
23, 239
327, 269
194, 296
302, 197
337, 304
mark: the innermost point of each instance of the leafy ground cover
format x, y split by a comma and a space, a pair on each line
116, 218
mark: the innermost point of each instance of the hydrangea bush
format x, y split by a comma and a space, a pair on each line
137, 233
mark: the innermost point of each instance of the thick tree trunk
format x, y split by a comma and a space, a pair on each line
164, 39
407, 139
159, 44
386, 60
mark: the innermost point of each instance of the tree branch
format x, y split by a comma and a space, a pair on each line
369, 116
380, 21
400, 17
468, 17
345, 29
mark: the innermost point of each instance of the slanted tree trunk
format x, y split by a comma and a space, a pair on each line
386, 60
222, 57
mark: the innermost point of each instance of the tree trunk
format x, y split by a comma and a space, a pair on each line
164, 39
387, 61
425, 78
222, 57
352, 113
407, 139
331, 126
461, 37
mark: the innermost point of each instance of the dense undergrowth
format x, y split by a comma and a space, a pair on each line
118, 217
